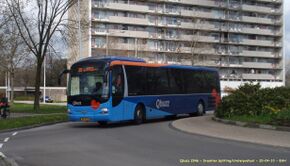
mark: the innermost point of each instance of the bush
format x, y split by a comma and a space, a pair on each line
252, 100
283, 117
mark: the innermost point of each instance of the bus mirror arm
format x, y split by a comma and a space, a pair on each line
65, 71
106, 75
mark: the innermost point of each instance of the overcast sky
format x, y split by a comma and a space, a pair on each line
287, 24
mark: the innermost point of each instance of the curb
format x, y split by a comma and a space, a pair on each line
30, 127
179, 129
252, 125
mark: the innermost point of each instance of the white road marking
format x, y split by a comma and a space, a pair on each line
1, 146
14, 133
2, 155
6, 139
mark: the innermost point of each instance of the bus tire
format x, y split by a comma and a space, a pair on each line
170, 117
139, 115
200, 109
102, 123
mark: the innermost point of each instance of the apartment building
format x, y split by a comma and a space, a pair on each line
241, 38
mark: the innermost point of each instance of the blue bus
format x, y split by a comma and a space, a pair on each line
114, 89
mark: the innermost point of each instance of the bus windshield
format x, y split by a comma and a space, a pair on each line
89, 80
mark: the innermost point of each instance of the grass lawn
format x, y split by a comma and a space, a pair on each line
30, 121
44, 109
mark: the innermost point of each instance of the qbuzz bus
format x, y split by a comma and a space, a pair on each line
114, 89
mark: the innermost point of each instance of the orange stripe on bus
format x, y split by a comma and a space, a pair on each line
113, 63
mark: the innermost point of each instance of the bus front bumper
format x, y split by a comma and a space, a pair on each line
89, 118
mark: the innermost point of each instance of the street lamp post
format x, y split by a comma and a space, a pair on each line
79, 30
44, 79
44, 73
107, 43
136, 47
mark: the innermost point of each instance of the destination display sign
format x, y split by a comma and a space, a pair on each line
86, 69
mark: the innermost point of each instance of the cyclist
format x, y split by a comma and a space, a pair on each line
4, 106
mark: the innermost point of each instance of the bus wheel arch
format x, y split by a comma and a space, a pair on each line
140, 113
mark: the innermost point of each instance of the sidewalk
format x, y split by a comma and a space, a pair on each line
18, 115
206, 126
31, 102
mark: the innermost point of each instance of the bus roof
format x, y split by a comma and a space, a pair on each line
192, 67
139, 62
111, 58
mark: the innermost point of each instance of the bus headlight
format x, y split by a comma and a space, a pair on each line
104, 110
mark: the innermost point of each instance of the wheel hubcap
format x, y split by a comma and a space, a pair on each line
200, 108
139, 114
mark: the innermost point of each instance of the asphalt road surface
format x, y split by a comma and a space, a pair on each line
150, 144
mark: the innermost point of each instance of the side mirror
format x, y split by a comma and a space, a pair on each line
65, 71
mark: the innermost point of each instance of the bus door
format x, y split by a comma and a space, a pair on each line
117, 92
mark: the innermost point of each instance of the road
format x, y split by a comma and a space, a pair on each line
150, 144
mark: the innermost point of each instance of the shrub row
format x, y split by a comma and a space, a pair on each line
252, 100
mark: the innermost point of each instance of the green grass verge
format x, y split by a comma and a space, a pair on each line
30, 121
44, 109
263, 119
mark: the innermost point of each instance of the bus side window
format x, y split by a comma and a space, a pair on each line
117, 85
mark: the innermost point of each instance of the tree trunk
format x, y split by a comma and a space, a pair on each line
12, 87
37, 85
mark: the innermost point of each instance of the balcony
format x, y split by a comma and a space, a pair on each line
260, 65
258, 42
126, 7
200, 14
128, 33
257, 20
262, 54
197, 38
127, 20
258, 77
260, 31
208, 63
190, 25
208, 3
271, 1
260, 9
188, 50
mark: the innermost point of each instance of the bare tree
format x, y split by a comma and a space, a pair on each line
13, 52
38, 29
197, 47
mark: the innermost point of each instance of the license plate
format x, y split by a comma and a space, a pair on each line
85, 119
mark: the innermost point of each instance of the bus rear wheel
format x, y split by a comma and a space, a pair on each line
199, 110
170, 117
139, 116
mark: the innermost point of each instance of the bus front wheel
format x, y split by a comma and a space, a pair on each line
139, 116
102, 123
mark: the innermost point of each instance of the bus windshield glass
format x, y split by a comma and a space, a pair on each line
89, 80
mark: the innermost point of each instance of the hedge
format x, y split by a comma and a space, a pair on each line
252, 100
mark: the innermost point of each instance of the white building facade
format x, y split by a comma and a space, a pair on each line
241, 38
